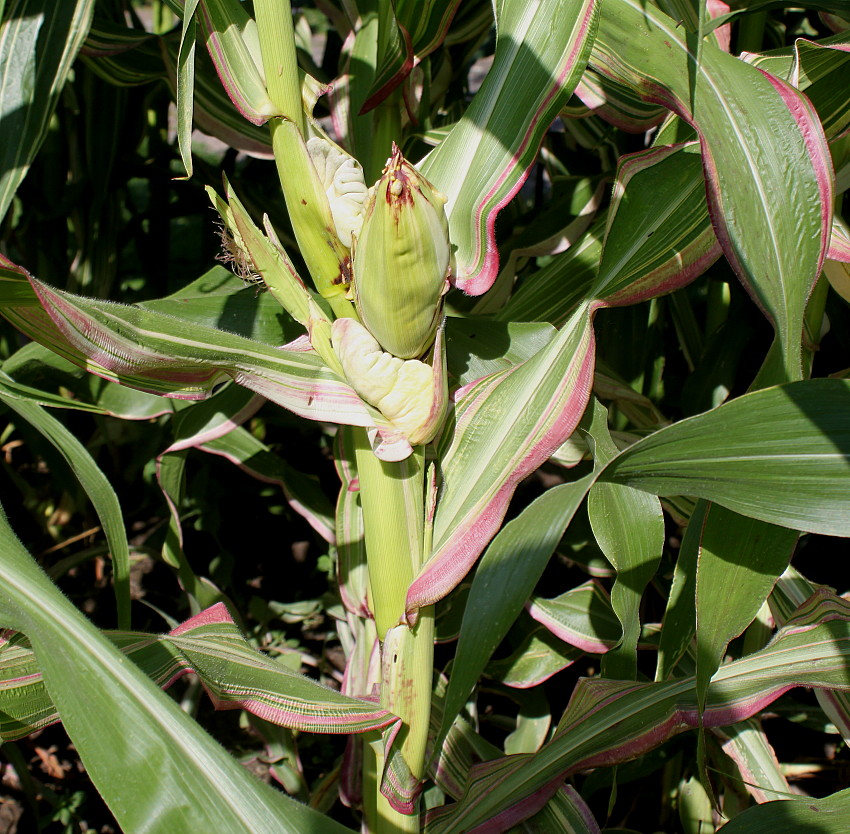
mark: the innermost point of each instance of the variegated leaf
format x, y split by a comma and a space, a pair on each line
485, 159
739, 114
608, 721
167, 757
234, 674
40, 40
503, 427
174, 357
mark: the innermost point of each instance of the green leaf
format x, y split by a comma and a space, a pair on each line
629, 528
410, 31
804, 814
611, 721
484, 160
39, 40
781, 455
477, 347
503, 427
122, 56
553, 291
234, 674
97, 487
740, 559
679, 624
538, 656
186, 83
581, 616
837, 7
167, 774
46, 378
174, 357
220, 300
659, 235
760, 139
503, 582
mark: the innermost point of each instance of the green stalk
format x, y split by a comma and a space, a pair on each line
387, 129
328, 261
277, 45
392, 497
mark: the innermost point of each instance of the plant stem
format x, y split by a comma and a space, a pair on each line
392, 498
277, 45
391, 495
387, 122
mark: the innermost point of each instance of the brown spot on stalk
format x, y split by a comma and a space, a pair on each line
303, 202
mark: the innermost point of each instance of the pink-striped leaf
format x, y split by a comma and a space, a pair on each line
820, 69
99, 694
178, 358
51, 380
502, 428
839, 244
234, 674
582, 617
747, 745
213, 111
607, 722
659, 237
410, 31
616, 103
538, 656
741, 116
553, 292
233, 44
792, 589
484, 160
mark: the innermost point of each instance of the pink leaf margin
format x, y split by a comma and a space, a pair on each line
478, 274
449, 564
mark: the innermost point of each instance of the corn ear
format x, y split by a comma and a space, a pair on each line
401, 260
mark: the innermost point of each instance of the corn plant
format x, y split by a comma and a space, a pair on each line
449, 359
